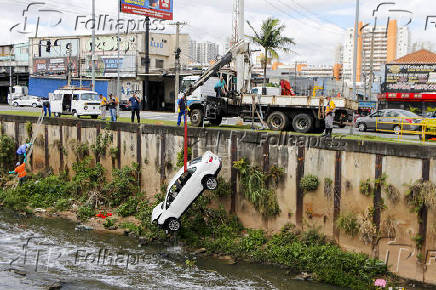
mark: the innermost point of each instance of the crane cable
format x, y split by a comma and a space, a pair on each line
38, 126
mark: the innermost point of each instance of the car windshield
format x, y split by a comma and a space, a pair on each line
185, 85
196, 160
89, 97
409, 114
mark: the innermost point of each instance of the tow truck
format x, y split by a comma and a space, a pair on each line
302, 114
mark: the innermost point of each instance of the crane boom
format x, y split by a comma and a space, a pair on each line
239, 48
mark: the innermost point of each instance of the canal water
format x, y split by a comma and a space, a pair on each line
36, 253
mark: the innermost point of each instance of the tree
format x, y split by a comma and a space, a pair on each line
271, 39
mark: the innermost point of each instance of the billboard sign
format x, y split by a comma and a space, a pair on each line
107, 66
54, 66
410, 78
162, 9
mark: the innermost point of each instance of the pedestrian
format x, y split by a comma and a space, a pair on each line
182, 110
220, 87
134, 102
329, 117
112, 105
20, 170
46, 107
103, 107
22, 152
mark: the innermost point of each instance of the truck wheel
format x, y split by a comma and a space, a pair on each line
75, 114
302, 123
197, 118
217, 121
57, 115
278, 121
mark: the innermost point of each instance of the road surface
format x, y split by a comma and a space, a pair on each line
165, 116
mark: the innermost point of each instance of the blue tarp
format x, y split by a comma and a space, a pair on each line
41, 87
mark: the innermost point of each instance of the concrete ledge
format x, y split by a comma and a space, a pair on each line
244, 136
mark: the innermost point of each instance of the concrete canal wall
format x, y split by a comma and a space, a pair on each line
408, 240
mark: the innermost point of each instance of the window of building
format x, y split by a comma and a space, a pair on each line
159, 63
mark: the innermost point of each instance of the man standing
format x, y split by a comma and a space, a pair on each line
113, 103
46, 107
103, 105
220, 87
134, 102
329, 117
182, 110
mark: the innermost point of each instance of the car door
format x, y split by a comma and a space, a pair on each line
388, 120
372, 120
56, 103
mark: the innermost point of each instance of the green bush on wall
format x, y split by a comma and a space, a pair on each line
309, 183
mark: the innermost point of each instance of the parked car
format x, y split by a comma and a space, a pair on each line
76, 102
124, 105
29, 101
185, 188
381, 118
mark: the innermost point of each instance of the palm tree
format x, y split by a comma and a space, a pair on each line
271, 39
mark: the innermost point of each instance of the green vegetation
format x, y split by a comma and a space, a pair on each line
366, 187
128, 208
421, 193
181, 157
102, 142
85, 212
309, 183
258, 187
7, 153
29, 131
349, 224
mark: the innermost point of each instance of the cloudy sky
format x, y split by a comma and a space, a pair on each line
317, 26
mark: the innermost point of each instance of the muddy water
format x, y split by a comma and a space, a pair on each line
36, 253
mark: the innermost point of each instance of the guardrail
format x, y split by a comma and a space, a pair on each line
425, 128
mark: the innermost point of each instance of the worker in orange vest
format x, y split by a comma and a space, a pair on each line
20, 170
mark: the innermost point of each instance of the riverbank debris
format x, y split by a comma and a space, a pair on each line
83, 228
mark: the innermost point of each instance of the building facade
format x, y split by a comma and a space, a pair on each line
54, 58
14, 68
410, 83
390, 43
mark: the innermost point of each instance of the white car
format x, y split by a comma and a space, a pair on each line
27, 101
185, 188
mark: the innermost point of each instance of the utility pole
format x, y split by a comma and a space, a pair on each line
118, 95
145, 96
69, 50
238, 35
93, 46
371, 64
356, 33
177, 62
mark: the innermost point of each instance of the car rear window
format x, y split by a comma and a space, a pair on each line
196, 160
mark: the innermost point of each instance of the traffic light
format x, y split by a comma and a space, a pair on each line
178, 51
48, 46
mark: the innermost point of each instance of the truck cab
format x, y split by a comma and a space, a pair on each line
76, 102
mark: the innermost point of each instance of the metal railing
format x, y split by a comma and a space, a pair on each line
425, 128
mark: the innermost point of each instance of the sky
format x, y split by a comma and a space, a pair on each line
317, 26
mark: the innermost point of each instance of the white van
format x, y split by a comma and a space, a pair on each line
76, 102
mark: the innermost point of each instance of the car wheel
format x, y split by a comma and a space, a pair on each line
362, 127
173, 224
210, 183
94, 116
57, 115
75, 114
34, 105
15, 104
302, 123
197, 118
278, 121
397, 130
